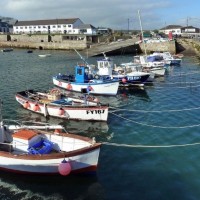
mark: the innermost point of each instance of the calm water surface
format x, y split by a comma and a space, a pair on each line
164, 114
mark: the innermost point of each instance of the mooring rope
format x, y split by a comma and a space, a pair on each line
154, 126
150, 146
182, 87
152, 111
184, 73
180, 82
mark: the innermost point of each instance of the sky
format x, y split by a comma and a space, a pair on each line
114, 14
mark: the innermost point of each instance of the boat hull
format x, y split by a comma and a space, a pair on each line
130, 80
83, 161
95, 87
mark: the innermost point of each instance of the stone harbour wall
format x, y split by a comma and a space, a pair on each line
169, 46
42, 42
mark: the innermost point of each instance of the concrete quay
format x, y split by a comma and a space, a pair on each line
90, 46
130, 46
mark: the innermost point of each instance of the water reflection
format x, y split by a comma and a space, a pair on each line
139, 93
40, 187
99, 130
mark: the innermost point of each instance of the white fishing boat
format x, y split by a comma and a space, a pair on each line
150, 65
54, 104
173, 60
35, 149
126, 74
44, 55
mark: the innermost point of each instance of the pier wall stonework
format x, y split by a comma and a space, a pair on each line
41, 42
70, 42
169, 46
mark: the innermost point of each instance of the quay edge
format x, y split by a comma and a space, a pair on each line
89, 46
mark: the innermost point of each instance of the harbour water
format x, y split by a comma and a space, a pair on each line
150, 145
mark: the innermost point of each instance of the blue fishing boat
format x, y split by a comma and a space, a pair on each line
83, 79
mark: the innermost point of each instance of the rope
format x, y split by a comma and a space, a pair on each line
153, 111
150, 146
189, 86
180, 82
154, 126
184, 74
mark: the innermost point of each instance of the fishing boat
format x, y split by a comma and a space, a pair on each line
55, 104
29, 51
83, 79
7, 50
44, 55
36, 149
127, 75
152, 64
173, 60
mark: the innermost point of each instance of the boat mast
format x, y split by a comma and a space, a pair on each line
142, 33
1, 118
81, 57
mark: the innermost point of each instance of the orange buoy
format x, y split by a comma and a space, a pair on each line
26, 105
36, 107
69, 86
61, 111
57, 131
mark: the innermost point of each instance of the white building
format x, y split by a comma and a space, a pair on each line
175, 29
87, 29
65, 26
190, 31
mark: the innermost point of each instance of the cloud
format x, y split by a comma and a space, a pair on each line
117, 14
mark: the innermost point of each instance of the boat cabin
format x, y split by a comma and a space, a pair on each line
81, 74
105, 66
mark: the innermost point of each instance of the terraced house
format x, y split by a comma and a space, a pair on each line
63, 26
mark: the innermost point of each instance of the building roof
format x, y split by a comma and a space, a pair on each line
46, 22
171, 27
85, 26
187, 27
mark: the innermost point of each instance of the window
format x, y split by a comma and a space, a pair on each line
59, 26
54, 26
44, 26
64, 26
79, 71
69, 25
39, 26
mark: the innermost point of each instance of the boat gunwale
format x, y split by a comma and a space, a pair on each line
62, 154
86, 83
56, 155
